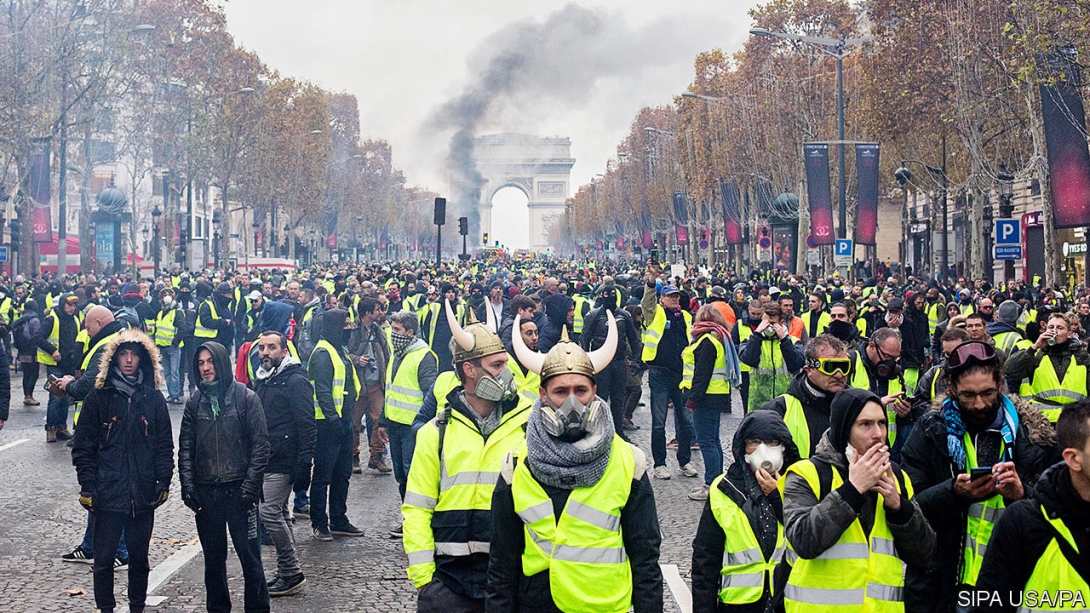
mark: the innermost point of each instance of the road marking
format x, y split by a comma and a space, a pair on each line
14, 443
167, 568
682, 596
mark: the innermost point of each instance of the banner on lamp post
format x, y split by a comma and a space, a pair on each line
818, 193
732, 211
682, 233
38, 179
1065, 138
866, 211
681, 209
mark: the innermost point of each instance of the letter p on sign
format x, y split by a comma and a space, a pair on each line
1008, 231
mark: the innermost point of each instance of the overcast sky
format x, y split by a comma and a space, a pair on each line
403, 59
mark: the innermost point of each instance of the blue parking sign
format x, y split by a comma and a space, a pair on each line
844, 247
1008, 231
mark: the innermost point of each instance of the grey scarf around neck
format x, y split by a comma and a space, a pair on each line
126, 384
567, 465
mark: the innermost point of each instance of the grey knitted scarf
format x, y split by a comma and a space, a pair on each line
567, 465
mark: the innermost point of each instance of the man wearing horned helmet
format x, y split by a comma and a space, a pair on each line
573, 515
454, 468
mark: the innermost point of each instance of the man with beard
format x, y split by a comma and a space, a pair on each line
575, 483
281, 381
1053, 370
805, 406
371, 353
447, 502
876, 367
932, 384
527, 380
611, 381
738, 542
974, 453
1035, 546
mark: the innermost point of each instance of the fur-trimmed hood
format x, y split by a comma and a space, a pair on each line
152, 366
1038, 427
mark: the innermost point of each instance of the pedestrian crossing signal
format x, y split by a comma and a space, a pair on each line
486, 238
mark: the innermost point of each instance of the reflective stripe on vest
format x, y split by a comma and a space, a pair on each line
529, 384
403, 396
745, 570
339, 376
858, 571
933, 312
795, 418
200, 330
653, 334
1054, 575
718, 383
771, 378
983, 515
583, 548
165, 329
744, 332
1007, 342
1049, 394
54, 339
577, 322
862, 380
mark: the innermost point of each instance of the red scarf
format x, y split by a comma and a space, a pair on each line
701, 328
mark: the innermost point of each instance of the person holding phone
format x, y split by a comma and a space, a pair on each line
1054, 369
977, 451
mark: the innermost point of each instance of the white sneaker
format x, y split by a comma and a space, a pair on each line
661, 472
689, 471
700, 493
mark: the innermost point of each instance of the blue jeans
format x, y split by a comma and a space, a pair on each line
56, 411
172, 368
88, 543
664, 389
402, 444
706, 423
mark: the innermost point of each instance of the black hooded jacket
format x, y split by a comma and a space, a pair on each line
230, 448
320, 366
557, 307
290, 421
1022, 534
595, 329
741, 487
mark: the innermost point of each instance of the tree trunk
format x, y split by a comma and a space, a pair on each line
86, 241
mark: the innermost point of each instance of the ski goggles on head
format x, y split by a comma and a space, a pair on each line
830, 366
968, 354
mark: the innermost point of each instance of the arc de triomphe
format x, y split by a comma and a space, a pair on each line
539, 167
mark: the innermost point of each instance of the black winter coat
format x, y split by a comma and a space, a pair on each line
926, 459
595, 331
229, 448
289, 420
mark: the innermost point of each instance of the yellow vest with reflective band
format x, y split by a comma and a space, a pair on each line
1054, 574
403, 395
744, 332
54, 339
1008, 342
983, 515
577, 323
933, 312
200, 330
175, 281
82, 339
858, 573
718, 383
966, 309
309, 313
529, 384
583, 549
442, 493
1027, 316
653, 334
6, 310
861, 379
85, 364
795, 418
1049, 394
745, 570
339, 376
164, 328
823, 321
444, 384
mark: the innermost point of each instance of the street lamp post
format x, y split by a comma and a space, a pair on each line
1006, 193
904, 176
156, 214
217, 219
838, 48
147, 247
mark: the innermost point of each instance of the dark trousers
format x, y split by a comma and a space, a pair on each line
56, 412
633, 392
665, 389
402, 446
437, 597
109, 527
743, 389
30, 377
332, 471
611, 383
221, 512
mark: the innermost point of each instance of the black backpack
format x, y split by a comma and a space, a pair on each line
20, 332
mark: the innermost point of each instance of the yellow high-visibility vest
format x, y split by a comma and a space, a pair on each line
718, 383
339, 377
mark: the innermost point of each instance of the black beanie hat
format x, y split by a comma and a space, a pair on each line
843, 411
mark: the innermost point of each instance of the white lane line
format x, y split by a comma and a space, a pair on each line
682, 596
14, 443
167, 568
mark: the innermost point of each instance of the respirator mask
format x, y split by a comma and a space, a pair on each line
769, 332
768, 457
496, 388
572, 419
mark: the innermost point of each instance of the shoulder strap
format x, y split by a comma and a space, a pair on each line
441, 422
825, 477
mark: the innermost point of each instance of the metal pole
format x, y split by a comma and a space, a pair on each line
840, 120
438, 246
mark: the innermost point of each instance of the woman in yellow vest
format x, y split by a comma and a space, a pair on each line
849, 517
573, 515
740, 541
1037, 558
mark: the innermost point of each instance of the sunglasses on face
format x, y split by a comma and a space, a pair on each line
968, 354
830, 366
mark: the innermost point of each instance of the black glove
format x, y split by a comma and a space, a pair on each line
301, 480
162, 492
190, 500
247, 498
86, 499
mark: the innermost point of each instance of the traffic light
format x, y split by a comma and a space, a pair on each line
440, 211
463, 226
16, 227
486, 238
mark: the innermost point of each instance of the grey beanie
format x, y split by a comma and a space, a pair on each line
1009, 311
